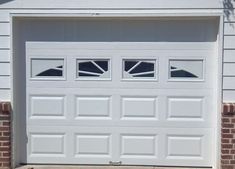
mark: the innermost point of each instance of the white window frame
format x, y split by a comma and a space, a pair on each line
182, 79
97, 79
48, 78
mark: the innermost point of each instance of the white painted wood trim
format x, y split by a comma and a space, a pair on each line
118, 13
172, 14
218, 93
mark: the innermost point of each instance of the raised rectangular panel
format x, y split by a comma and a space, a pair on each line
47, 106
229, 55
88, 107
138, 145
229, 69
47, 144
139, 107
184, 146
4, 28
92, 145
185, 108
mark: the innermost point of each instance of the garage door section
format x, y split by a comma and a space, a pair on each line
126, 103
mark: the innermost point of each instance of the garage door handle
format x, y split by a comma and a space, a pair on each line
115, 163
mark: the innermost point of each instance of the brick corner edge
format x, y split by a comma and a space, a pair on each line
5, 135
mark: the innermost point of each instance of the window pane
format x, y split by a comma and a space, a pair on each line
186, 69
93, 69
139, 69
47, 68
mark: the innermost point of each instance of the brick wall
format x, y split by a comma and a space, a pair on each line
5, 135
228, 136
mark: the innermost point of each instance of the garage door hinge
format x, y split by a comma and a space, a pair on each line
115, 163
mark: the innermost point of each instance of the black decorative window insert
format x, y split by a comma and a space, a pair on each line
139, 69
93, 68
186, 69
47, 68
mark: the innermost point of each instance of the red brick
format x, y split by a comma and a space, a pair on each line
225, 140
227, 167
227, 135
4, 138
225, 151
232, 151
232, 161
4, 128
7, 154
225, 120
228, 125
7, 143
6, 123
6, 164
226, 156
233, 131
8, 134
225, 130
6, 159
227, 146
7, 149
4, 117
225, 161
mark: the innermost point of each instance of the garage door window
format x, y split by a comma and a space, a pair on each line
95, 69
139, 69
47, 68
185, 69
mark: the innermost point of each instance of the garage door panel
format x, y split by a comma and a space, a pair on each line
138, 145
92, 145
124, 116
47, 106
47, 144
93, 107
189, 146
139, 108
185, 108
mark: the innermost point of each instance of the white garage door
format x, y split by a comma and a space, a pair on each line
128, 103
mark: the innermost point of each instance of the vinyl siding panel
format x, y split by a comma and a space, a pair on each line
5, 69
229, 42
5, 55
4, 28
228, 95
4, 15
229, 69
229, 29
229, 83
229, 55
5, 94
4, 42
5, 82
